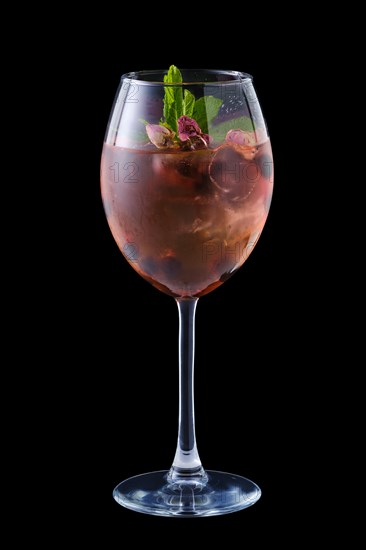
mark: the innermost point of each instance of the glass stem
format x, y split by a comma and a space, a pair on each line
187, 462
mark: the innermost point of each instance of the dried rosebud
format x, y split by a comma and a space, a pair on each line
160, 136
191, 134
240, 137
187, 128
246, 140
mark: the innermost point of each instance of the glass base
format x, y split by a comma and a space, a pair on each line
155, 493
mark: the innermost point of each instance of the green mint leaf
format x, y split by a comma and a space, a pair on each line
188, 103
174, 75
173, 97
219, 131
205, 110
170, 112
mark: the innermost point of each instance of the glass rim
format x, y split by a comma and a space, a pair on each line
237, 76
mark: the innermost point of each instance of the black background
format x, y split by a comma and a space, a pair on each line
249, 382
94, 355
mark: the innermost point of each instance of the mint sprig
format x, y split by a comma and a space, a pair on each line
173, 97
188, 103
203, 110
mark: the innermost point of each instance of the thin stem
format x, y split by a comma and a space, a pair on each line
187, 461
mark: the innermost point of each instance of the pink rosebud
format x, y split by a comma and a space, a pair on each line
188, 128
240, 137
160, 136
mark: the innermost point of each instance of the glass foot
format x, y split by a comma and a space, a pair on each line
155, 493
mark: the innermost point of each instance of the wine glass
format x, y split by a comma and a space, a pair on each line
186, 183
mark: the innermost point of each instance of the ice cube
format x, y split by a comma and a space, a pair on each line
187, 172
174, 165
232, 173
